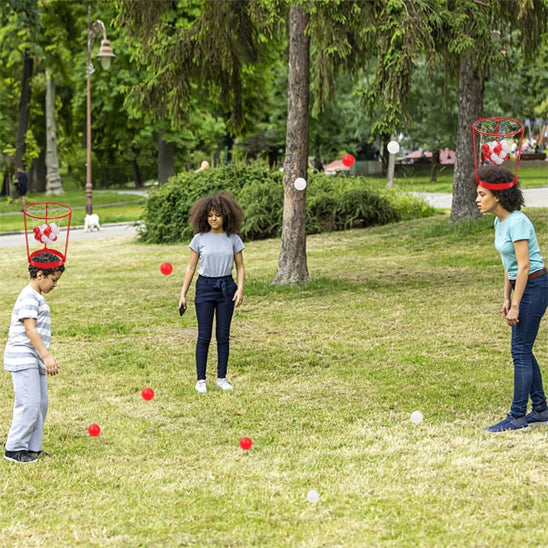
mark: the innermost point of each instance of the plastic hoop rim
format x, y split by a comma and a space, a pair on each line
54, 264
498, 134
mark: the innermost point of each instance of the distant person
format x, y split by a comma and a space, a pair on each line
28, 359
525, 290
216, 220
203, 166
22, 185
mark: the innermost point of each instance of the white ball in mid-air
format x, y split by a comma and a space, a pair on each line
393, 147
300, 183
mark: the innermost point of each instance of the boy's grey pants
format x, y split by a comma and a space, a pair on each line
29, 412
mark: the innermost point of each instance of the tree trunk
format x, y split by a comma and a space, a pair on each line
37, 173
436, 159
391, 165
292, 266
166, 160
23, 119
136, 173
54, 186
471, 90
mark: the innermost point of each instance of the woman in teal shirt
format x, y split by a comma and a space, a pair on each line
525, 290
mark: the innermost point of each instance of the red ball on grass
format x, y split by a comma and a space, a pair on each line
147, 394
166, 269
246, 443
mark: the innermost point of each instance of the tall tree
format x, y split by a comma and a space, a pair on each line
471, 90
476, 38
27, 17
23, 112
433, 106
214, 42
54, 185
292, 265
166, 159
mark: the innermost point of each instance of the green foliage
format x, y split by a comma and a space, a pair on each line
408, 206
166, 214
333, 203
262, 200
361, 208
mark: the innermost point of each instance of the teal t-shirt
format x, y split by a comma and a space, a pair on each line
515, 227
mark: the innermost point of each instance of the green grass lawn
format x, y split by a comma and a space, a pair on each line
397, 318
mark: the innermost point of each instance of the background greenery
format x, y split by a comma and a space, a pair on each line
397, 318
260, 191
53, 36
334, 203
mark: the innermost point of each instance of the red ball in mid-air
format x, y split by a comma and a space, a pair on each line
166, 269
246, 443
147, 394
348, 160
94, 430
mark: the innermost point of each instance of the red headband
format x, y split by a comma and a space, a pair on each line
496, 186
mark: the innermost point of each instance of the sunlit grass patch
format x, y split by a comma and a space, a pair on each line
396, 319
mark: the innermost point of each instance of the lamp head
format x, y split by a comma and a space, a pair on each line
105, 54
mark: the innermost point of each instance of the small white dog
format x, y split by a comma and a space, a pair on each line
91, 222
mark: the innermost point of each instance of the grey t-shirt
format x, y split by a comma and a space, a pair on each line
20, 352
216, 252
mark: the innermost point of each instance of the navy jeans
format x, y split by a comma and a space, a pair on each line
214, 298
527, 376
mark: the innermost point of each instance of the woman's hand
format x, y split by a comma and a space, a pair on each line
510, 313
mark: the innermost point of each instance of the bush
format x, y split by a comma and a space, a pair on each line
359, 208
262, 201
333, 203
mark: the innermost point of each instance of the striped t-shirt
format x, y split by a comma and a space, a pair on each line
20, 353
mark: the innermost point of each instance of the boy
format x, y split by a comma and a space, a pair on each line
28, 359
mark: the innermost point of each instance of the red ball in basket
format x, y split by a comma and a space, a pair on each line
47, 228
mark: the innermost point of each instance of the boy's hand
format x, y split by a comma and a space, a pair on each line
52, 367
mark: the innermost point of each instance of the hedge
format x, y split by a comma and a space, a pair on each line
333, 203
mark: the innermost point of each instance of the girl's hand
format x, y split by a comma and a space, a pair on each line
506, 308
182, 302
238, 297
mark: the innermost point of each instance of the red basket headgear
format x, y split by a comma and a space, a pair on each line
497, 145
48, 225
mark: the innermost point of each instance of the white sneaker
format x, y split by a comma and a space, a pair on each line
201, 386
224, 384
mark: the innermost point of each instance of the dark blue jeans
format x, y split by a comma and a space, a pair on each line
527, 376
214, 298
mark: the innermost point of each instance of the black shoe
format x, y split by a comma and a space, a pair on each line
40, 454
20, 456
537, 417
509, 423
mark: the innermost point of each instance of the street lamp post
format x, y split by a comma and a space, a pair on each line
105, 54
